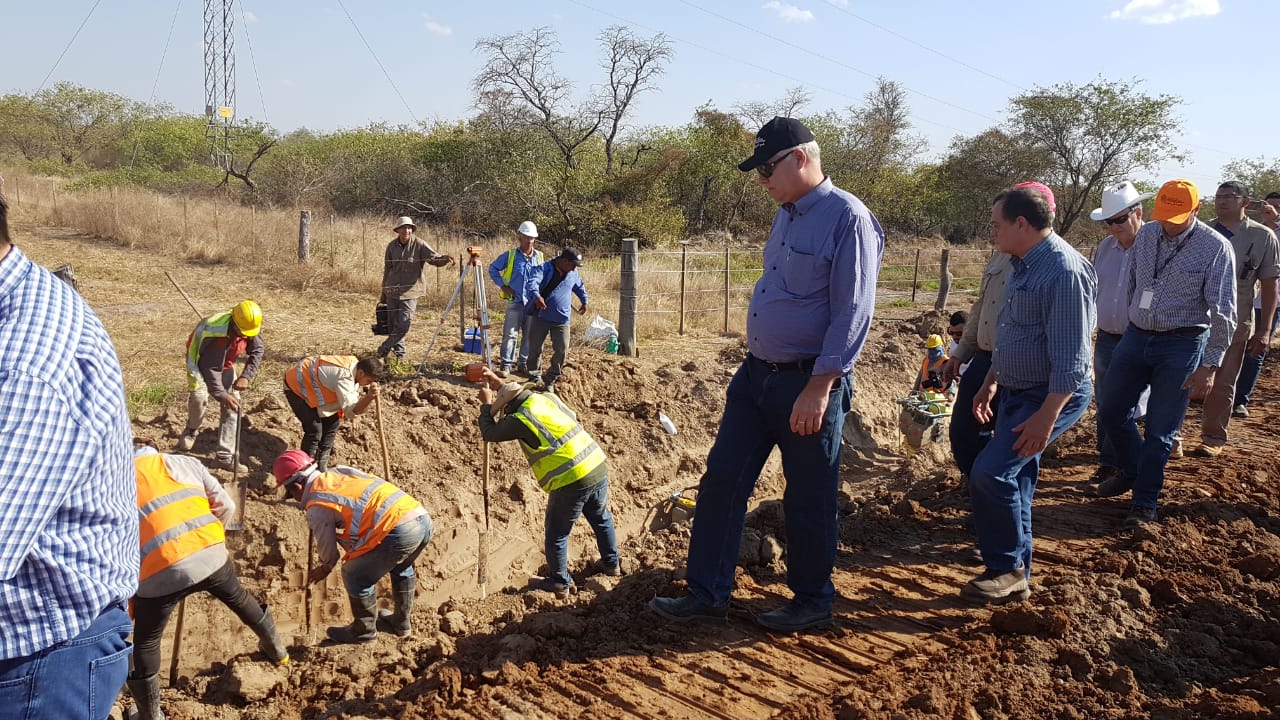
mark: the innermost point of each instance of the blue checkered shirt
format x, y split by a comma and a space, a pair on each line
1045, 331
68, 496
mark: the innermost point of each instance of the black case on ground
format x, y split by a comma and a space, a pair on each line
382, 320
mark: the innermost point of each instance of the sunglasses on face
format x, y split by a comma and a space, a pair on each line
957, 334
766, 169
1121, 219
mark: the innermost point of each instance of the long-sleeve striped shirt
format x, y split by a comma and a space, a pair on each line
1187, 281
1045, 335
68, 496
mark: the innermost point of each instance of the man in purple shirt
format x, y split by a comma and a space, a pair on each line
807, 321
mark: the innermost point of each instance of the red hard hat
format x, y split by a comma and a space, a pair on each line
290, 463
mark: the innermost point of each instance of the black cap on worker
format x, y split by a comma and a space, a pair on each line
571, 255
780, 133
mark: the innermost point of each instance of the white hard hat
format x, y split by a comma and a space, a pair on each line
528, 229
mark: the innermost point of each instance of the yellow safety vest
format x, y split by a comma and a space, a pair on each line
214, 326
174, 518
370, 506
304, 378
511, 266
565, 452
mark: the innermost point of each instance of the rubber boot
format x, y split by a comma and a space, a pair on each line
363, 628
400, 622
269, 641
146, 697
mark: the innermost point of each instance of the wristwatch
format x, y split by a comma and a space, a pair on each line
1210, 366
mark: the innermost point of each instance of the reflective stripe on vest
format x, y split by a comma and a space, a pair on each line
214, 326
370, 506
174, 518
566, 453
304, 378
511, 267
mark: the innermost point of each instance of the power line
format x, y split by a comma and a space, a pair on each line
750, 64
922, 46
69, 43
375, 59
165, 52
253, 62
832, 60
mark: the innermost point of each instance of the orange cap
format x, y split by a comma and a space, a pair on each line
1177, 201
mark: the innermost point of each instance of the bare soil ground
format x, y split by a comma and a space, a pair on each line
1181, 620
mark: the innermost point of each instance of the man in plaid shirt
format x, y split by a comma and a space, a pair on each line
68, 500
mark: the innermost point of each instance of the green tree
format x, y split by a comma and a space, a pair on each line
1257, 174
1097, 134
973, 172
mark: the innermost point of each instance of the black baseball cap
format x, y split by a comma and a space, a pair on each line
571, 255
777, 135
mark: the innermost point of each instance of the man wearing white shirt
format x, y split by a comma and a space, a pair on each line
1122, 212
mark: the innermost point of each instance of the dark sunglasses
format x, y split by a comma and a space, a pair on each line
1119, 220
766, 169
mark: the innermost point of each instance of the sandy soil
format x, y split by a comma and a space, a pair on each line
1177, 621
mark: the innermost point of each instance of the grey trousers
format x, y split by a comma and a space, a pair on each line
198, 402
537, 330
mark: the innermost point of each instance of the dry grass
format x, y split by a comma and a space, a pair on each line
346, 255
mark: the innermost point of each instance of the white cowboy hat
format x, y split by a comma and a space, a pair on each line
406, 220
1118, 198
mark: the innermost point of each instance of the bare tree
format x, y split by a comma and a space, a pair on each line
756, 113
631, 63
880, 129
518, 76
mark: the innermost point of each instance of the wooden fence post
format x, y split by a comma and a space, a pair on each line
364, 253
217, 233
944, 281
726, 286
333, 242
304, 236
627, 290
684, 258
915, 277
185, 232
115, 215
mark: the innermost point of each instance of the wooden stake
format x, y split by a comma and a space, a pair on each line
177, 643
382, 439
482, 548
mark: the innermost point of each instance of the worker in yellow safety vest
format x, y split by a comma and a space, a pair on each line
381, 528
181, 511
212, 350
510, 272
566, 462
321, 389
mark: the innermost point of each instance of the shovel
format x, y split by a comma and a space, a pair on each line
237, 523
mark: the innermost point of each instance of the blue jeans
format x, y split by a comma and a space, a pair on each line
1164, 362
1003, 484
757, 417
1103, 350
564, 505
77, 678
968, 436
394, 555
1252, 366
515, 330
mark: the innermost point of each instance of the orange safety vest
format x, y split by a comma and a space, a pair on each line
370, 506
304, 378
175, 520
930, 365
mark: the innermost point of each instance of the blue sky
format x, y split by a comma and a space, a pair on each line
961, 60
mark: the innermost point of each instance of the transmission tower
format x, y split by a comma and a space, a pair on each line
219, 80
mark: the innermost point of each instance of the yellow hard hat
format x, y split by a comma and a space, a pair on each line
248, 318
934, 341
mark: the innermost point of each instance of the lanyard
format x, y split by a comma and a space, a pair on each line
1160, 266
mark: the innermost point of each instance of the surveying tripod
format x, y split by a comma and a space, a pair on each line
482, 308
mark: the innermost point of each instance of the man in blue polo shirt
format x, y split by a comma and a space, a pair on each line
550, 288
807, 321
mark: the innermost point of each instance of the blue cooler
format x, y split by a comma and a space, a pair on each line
473, 341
